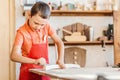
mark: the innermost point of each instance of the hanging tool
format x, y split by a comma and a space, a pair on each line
103, 45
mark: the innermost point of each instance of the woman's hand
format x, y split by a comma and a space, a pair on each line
41, 61
61, 64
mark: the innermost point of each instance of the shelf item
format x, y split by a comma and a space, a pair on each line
78, 32
75, 38
84, 43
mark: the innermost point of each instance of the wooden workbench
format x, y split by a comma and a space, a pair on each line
80, 73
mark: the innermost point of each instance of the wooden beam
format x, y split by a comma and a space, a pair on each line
116, 37
81, 13
12, 67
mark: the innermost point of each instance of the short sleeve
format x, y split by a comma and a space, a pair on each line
50, 30
18, 39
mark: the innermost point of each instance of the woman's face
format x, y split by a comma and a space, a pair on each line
36, 22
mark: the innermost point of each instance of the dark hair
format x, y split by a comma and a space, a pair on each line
42, 8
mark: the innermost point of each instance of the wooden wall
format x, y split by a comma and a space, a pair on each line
7, 25
117, 37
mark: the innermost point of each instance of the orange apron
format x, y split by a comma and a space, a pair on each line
37, 51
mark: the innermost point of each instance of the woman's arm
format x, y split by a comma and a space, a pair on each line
60, 49
17, 57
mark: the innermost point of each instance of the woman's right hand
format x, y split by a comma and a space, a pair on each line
40, 61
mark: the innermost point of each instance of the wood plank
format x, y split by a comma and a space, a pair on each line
12, 36
116, 37
4, 40
81, 13
84, 43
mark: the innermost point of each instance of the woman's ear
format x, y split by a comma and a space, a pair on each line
27, 14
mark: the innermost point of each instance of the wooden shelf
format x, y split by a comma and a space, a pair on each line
81, 13
84, 43
27, 7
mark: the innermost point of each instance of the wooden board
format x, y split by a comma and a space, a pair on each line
80, 73
117, 37
77, 27
75, 55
